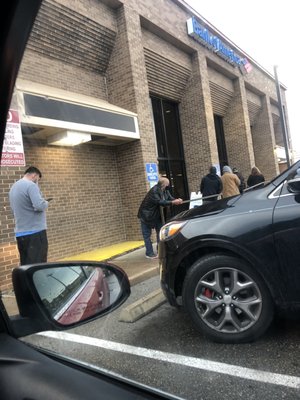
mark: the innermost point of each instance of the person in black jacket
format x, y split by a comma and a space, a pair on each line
255, 178
149, 212
211, 184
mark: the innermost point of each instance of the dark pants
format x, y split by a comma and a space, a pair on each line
33, 248
146, 231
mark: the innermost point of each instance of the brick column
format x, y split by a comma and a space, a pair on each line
197, 124
128, 88
237, 131
264, 141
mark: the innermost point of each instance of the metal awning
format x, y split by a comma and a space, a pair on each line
47, 112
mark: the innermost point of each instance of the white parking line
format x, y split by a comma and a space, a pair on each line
206, 365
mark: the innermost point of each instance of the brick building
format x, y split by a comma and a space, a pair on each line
143, 82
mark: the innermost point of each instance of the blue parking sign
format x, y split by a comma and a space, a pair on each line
152, 172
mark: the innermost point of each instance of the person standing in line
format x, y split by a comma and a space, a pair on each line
230, 182
149, 212
255, 178
242, 186
211, 184
29, 210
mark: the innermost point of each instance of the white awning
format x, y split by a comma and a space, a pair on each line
46, 111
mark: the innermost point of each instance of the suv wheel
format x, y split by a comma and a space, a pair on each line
227, 300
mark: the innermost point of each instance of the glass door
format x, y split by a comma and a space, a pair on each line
170, 150
221, 144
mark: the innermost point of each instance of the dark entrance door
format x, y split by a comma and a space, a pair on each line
170, 150
222, 152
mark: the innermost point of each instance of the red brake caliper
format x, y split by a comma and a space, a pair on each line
208, 293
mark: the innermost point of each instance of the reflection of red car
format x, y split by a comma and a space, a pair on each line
90, 298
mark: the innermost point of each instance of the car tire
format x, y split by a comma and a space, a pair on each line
227, 300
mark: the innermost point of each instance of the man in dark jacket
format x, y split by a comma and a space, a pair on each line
211, 184
149, 212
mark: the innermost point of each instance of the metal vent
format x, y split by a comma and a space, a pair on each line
220, 98
253, 110
165, 78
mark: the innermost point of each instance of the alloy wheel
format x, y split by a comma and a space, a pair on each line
228, 300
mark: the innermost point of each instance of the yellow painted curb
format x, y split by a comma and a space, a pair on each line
105, 253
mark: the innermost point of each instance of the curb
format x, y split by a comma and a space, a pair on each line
142, 307
142, 276
124, 253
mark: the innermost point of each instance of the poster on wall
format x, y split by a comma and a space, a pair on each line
13, 150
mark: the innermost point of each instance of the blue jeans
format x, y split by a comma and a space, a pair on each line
146, 231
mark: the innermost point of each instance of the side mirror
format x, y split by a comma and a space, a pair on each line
293, 185
58, 296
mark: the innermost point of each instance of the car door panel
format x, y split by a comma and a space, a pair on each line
25, 373
286, 228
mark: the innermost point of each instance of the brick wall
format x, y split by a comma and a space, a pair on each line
128, 88
265, 144
197, 124
86, 211
84, 184
70, 46
55, 73
237, 131
277, 130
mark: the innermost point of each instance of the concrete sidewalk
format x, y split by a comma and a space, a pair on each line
106, 252
130, 256
134, 263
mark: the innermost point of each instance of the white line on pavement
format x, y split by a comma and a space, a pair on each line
206, 365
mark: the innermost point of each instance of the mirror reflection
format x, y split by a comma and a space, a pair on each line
76, 293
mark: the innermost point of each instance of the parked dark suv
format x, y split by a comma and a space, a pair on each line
236, 261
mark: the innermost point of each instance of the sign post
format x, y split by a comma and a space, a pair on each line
282, 120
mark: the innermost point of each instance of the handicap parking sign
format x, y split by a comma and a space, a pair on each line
152, 172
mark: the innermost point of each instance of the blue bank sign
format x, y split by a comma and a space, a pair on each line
207, 39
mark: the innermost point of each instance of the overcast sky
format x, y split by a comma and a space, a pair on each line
268, 31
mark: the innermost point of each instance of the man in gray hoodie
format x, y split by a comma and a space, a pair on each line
29, 209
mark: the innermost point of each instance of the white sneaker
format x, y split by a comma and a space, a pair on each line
152, 257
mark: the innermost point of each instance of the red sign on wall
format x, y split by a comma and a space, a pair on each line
13, 151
